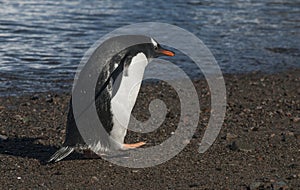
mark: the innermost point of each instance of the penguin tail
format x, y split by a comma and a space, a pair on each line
61, 154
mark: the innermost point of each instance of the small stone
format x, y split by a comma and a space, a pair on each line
34, 97
254, 128
290, 133
255, 185
196, 136
19, 178
293, 165
295, 176
280, 185
233, 146
259, 107
26, 119
283, 137
94, 179
49, 100
230, 136
260, 158
63, 131
3, 137
240, 145
272, 135
25, 104
193, 185
296, 119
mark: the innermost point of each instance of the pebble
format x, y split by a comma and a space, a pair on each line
233, 146
255, 185
296, 119
192, 185
280, 185
94, 179
290, 133
254, 128
240, 145
196, 136
3, 137
34, 97
230, 136
49, 98
25, 104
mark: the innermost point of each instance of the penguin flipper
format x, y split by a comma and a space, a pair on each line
61, 154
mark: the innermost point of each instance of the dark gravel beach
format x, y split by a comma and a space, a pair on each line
257, 148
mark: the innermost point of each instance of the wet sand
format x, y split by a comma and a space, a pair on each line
257, 148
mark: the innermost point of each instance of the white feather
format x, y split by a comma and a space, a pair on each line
124, 100
154, 42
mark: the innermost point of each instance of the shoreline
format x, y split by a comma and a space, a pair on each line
67, 89
258, 146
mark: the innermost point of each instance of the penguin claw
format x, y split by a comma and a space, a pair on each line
134, 145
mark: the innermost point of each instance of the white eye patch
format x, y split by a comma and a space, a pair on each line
154, 42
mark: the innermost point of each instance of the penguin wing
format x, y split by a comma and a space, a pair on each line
116, 74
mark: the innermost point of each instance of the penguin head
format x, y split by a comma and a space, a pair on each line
147, 45
155, 50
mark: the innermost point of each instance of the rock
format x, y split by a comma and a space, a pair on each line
94, 179
296, 119
26, 119
34, 97
255, 185
230, 136
240, 145
290, 134
3, 137
49, 98
233, 146
25, 104
280, 185
254, 128
283, 137
192, 185
196, 136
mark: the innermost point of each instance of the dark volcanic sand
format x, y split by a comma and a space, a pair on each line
258, 147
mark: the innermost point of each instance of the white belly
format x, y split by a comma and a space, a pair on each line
125, 98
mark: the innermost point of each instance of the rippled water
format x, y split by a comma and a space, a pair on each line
42, 42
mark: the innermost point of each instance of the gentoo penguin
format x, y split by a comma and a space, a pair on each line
116, 92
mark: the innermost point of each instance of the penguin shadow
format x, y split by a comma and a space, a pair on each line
31, 148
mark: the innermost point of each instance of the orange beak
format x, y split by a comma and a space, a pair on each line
167, 52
